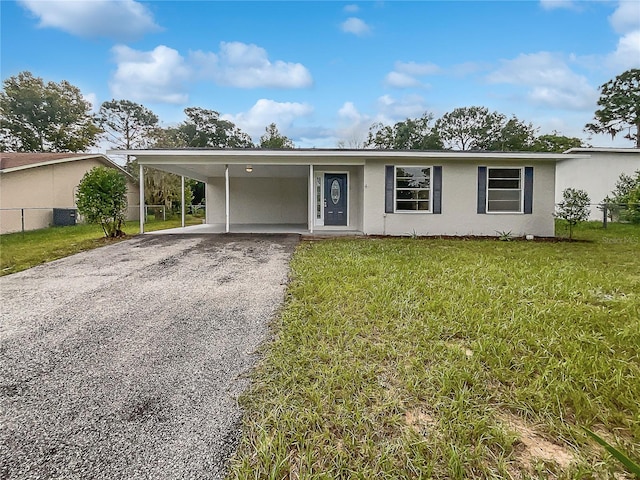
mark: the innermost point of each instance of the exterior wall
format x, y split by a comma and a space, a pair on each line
45, 187
355, 192
596, 175
459, 203
258, 200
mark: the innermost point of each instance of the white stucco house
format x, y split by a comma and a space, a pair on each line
373, 192
594, 170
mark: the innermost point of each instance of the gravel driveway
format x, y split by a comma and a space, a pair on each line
127, 361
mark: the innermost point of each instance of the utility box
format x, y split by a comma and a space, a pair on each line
63, 217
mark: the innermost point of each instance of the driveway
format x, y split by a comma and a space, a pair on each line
127, 361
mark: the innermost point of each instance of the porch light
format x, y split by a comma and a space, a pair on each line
249, 168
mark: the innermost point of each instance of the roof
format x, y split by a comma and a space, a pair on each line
11, 162
203, 163
602, 150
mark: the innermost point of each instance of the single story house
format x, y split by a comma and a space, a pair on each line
40, 182
374, 192
595, 171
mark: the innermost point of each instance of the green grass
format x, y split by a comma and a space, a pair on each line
449, 359
21, 251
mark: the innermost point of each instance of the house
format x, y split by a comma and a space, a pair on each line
595, 171
40, 182
374, 192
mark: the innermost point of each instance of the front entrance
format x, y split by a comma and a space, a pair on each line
335, 199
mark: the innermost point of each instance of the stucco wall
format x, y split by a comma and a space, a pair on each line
459, 205
46, 187
596, 175
258, 200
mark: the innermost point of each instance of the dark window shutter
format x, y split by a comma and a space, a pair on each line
437, 189
388, 188
528, 189
482, 189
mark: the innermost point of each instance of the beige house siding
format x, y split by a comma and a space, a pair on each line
46, 187
258, 200
596, 175
459, 204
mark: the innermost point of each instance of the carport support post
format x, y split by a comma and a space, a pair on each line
182, 200
226, 198
311, 199
142, 212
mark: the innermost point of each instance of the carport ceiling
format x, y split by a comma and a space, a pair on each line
203, 171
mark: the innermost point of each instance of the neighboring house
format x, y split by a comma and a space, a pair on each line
596, 173
40, 182
375, 192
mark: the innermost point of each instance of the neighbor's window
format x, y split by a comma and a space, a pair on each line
413, 189
504, 190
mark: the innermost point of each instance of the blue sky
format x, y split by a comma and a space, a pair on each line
325, 71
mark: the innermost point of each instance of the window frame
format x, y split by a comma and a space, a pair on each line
521, 188
395, 189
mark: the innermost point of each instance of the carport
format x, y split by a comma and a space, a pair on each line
267, 191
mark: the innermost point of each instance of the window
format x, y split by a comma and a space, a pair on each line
412, 189
504, 190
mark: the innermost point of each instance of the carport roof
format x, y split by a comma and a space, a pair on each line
201, 163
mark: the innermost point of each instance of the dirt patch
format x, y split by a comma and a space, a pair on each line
420, 421
533, 446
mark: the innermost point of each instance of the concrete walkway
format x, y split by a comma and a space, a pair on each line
126, 362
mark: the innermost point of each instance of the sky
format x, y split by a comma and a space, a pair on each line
324, 72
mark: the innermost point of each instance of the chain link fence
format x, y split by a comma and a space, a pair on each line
33, 218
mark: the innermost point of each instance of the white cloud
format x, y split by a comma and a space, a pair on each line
120, 20
418, 69
266, 111
627, 53
158, 75
92, 98
405, 73
351, 8
556, 4
626, 18
401, 80
392, 110
244, 65
550, 81
356, 26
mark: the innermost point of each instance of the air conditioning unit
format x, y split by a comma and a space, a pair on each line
63, 217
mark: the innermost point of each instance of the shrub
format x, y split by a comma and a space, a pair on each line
102, 199
625, 194
574, 208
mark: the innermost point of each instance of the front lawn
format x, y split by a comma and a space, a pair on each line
20, 251
426, 358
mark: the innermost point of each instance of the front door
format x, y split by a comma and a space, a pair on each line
335, 199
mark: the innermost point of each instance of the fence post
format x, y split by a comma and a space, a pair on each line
22, 220
164, 213
604, 216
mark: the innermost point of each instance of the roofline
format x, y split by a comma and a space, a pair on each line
603, 150
256, 154
99, 156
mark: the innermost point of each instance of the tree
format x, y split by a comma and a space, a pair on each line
102, 198
410, 134
205, 129
620, 107
514, 136
625, 198
574, 208
126, 125
44, 117
273, 139
555, 142
470, 128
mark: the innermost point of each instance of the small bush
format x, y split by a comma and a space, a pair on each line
102, 199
